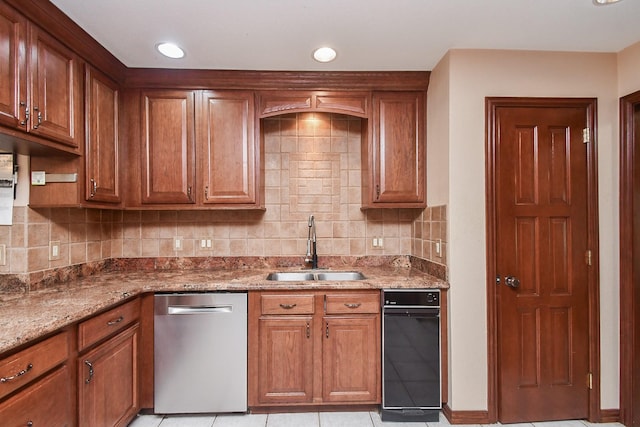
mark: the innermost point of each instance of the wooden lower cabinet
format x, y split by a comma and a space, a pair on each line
46, 402
286, 360
350, 357
301, 354
108, 381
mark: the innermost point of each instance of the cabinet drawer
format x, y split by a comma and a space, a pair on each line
352, 303
287, 304
101, 326
23, 367
45, 403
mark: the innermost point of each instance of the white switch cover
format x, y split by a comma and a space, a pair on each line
38, 178
177, 243
54, 250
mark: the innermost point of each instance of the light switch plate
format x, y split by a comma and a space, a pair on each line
38, 178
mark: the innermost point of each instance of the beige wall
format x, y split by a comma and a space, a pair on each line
629, 70
472, 76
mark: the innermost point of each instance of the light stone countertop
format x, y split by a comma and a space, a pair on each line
25, 317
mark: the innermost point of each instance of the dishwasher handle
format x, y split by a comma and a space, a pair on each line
199, 309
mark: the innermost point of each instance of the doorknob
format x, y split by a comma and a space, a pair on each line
512, 282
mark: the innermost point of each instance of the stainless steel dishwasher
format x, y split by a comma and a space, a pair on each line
200, 353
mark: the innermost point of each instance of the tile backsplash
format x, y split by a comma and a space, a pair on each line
312, 167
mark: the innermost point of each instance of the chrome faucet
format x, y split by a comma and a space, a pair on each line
312, 255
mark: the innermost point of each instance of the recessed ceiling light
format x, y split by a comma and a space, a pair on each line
324, 54
603, 2
170, 50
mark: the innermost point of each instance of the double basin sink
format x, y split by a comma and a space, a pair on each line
304, 276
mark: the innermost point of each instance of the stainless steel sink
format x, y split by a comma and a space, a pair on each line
290, 276
340, 276
304, 276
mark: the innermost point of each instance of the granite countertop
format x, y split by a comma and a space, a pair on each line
26, 316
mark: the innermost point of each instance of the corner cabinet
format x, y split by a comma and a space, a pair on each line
314, 348
167, 158
108, 390
102, 153
394, 159
198, 150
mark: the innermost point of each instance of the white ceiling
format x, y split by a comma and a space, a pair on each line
369, 35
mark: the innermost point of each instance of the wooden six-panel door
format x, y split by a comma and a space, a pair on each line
543, 259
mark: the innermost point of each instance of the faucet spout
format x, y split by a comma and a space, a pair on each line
312, 254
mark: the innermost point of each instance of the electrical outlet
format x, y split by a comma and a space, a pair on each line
377, 242
205, 243
439, 248
3, 254
177, 243
54, 250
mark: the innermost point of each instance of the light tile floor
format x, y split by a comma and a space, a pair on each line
315, 419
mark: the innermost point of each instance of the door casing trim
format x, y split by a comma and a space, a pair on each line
628, 310
491, 106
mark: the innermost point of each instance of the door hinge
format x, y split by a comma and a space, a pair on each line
590, 380
587, 257
586, 135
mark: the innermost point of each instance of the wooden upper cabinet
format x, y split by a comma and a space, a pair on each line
13, 77
102, 147
55, 107
168, 146
281, 102
395, 172
228, 150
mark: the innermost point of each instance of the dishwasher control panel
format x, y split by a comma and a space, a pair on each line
411, 298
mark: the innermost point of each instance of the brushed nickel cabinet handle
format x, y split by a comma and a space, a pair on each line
206, 192
94, 187
308, 330
377, 191
90, 365
115, 321
352, 305
39, 118
18, 375
327, 329
288, 306
189, 193
27, 114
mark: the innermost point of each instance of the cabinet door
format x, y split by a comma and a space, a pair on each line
13, 79
45, 403
351, 359
102, 155
285, 365
108, 382
397, 155
168, 146
228, 154
56, 100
